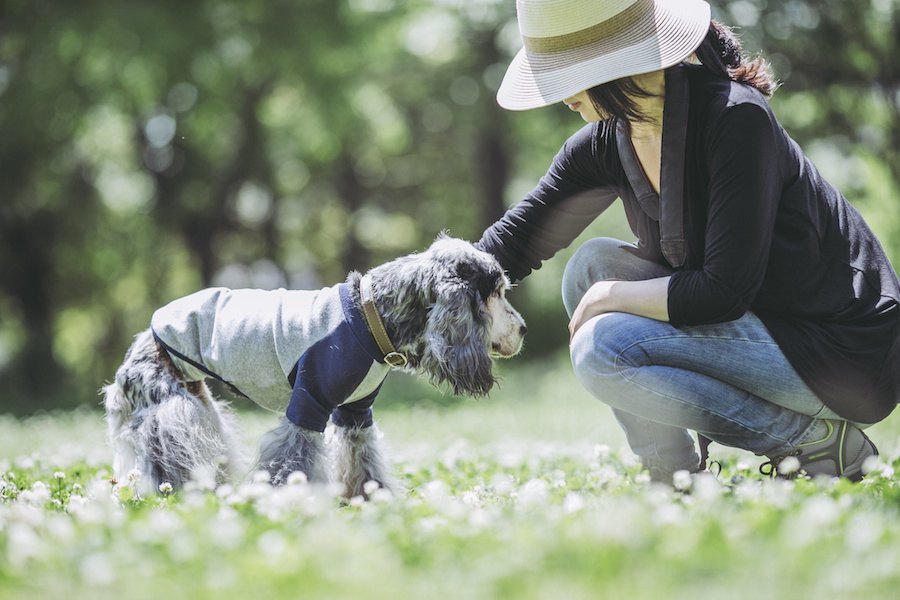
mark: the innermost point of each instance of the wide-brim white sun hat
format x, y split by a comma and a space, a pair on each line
573, 45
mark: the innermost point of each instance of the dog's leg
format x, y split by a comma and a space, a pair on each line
157, 426
223, 424
289, 448
359, 458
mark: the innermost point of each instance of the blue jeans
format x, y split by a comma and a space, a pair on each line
728, 381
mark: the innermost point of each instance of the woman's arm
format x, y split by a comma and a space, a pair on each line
648, 298
745, 157
566, 200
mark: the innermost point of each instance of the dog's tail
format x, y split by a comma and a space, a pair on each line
163, 428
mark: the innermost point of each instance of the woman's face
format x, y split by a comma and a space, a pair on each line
582, 104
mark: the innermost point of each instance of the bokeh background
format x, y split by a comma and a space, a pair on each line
151, 148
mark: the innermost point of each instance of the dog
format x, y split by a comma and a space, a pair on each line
313, 355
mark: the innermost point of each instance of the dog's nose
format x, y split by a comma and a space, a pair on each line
523, 329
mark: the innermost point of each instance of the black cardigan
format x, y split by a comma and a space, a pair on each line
762, 231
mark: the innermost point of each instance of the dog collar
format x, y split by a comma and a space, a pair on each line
396, 360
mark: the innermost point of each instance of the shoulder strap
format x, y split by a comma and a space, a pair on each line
668, 209
671, 177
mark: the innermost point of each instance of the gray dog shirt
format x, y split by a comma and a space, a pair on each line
309, 353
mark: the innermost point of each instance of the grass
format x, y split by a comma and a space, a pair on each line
531, 493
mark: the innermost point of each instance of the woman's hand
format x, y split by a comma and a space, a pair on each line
649, 298
593, 303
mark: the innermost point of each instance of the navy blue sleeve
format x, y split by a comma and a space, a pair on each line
356, 414
566, 200
745, 186
326, 375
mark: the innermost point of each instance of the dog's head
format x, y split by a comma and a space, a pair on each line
449, 313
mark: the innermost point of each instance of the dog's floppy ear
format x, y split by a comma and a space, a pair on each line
483, 281
457, 335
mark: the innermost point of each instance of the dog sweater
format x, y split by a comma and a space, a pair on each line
309, 353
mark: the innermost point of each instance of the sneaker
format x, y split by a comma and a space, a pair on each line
841, 453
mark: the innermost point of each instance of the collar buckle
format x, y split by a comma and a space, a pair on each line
396, 360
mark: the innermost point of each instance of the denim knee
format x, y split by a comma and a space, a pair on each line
595, 350
594, 261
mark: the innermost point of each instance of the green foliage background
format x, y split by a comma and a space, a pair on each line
151, 148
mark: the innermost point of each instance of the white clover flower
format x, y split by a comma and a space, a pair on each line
873, 464
642, 478
601, 451
370, 487
166, 488
706, 488
435, 489
534, 492
253, 491
297, 478
357, 501
38, 495
203, 478
788, 465
224, 490
471, 498
59, 475
682, 480
133, 476
76, 504
261, 476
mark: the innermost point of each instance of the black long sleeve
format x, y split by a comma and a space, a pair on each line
566, 200
744, 195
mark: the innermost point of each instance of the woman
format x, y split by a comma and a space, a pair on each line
756, 308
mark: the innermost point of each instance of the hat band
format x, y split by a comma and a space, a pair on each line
613, 26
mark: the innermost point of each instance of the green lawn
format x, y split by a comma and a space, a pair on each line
530, 493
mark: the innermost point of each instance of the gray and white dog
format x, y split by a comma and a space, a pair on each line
314, 355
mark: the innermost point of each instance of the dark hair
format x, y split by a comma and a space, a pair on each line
719, 52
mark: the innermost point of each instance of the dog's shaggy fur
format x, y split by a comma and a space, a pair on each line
443, 308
